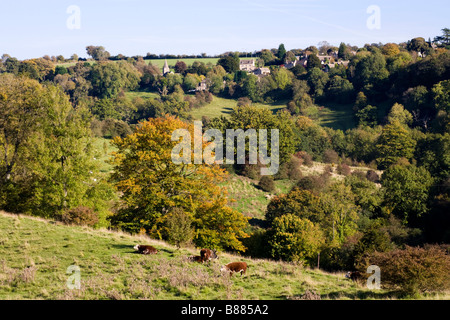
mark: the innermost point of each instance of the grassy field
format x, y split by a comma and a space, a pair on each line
35, 255
223, 107
141, 94
336, 116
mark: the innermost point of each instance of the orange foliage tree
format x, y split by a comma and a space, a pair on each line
152, 185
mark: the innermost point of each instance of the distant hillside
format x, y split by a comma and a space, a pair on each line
35, 255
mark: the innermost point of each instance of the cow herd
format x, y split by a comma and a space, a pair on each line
206, 255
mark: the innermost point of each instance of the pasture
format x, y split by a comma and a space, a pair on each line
223, 107
35, 255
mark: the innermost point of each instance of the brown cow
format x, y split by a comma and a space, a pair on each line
233, 267
205, 255
145, 249
208, 254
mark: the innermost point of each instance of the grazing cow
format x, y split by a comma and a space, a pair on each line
208, 254
205, 255
353, 275
145, 249
233, 267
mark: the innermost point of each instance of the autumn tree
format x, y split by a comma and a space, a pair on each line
152, 186
390, 49
180, 67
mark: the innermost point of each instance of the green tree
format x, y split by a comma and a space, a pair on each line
343, 52
22, 108
441, 95
370, 71
395, 142
340, 90
301, 203
295, 239
48, 167
253, 117
407, 190
367, 116
313, 62
398, 113
417, 44
444, 39
97, 53
340, 211
190, 81
108, 78
317, 80
301, 99
281, 53
267, 56
283, 78
229, 63
179, 227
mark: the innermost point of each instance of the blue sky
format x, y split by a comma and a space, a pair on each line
30, 29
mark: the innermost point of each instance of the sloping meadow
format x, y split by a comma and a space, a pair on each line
41, 259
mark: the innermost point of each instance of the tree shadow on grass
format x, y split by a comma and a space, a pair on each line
362, 295
256, 222
227, 110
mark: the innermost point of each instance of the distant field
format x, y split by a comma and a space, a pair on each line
171, 62
336, 116
160, 62
141, 94
223, 107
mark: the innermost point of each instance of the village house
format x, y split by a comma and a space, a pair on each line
329, 66
247, 65
202, 86
261, 71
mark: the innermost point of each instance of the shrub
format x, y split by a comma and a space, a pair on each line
330, 156
295, 239
290, 170
307, 158
414, 269
267, 184
179, 227
252, 171
314, 183
343, 169
372, 176
83, 216
294, 172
